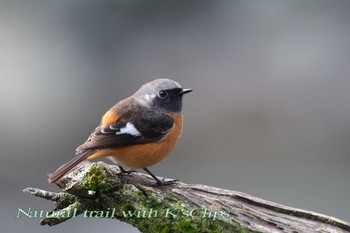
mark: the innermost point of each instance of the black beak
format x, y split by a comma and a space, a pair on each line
185, 91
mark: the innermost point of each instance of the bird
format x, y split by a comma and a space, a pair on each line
137, 132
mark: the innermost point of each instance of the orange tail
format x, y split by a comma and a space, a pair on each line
65, 168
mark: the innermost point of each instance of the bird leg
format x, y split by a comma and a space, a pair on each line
161, 182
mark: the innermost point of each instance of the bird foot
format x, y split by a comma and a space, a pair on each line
167, 182
123, 171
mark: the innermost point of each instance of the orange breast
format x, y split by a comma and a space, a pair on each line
145, 155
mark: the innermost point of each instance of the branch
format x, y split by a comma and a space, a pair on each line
97, 190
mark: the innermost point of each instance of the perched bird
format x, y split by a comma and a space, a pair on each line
137, 132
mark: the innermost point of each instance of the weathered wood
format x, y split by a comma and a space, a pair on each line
98, 190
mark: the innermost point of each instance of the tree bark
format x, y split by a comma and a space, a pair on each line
98, 190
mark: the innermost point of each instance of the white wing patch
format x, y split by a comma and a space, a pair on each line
129, 129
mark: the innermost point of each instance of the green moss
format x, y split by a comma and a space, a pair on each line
139, 193
186, 226
126, 207
129, 197
168, 224
97, 179
172, 198
105, 167
159, 228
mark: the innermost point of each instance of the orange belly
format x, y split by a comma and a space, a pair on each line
145, 155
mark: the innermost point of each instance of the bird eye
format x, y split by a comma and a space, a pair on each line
163, 94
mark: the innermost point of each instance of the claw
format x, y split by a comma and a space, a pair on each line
167, 182
161, 182
123, 171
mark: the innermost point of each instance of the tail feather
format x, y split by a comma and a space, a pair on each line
65, 168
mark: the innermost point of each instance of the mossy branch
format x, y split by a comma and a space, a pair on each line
98, 190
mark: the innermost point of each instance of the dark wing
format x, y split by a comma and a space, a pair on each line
127, 131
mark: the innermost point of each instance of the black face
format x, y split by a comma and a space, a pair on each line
169, 100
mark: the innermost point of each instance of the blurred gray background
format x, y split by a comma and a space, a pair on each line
270, 114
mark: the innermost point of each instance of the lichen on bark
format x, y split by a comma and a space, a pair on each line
98, 190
